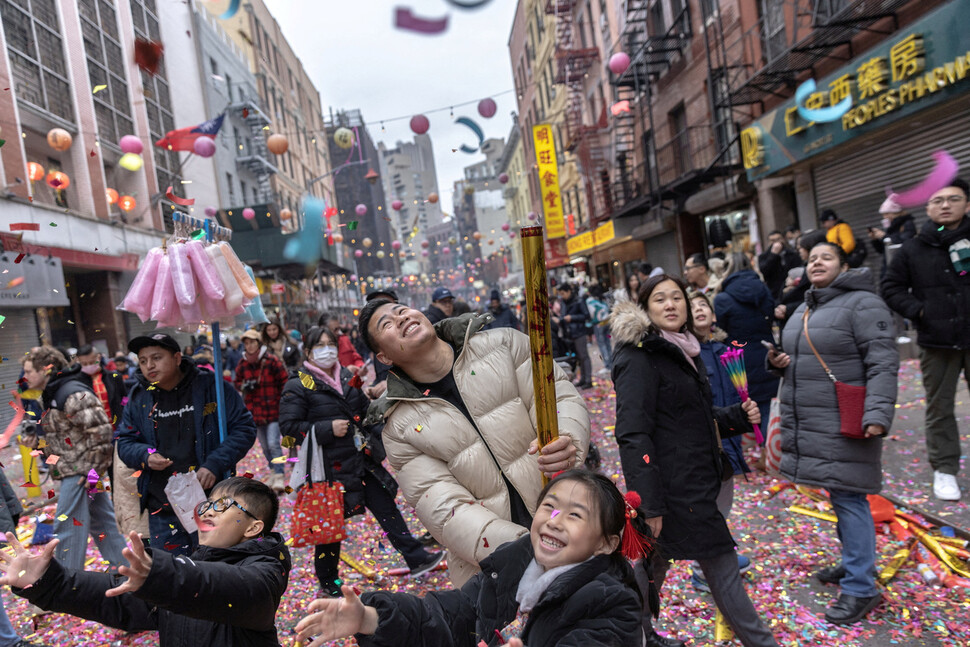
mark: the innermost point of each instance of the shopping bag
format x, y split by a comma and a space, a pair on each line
773, 438
318, 513
185, 493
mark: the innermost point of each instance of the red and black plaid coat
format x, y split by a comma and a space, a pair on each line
262, 385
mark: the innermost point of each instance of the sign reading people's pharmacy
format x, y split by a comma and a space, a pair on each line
923, 65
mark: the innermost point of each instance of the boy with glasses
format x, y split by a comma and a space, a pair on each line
226, 594
928, 282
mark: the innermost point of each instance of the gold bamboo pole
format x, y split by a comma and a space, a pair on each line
540, 335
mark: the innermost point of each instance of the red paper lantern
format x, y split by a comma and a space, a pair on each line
35, 171
112, 195
58, 180
127, 203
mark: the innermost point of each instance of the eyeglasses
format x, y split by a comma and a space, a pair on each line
952, 199
687, 268
220, 505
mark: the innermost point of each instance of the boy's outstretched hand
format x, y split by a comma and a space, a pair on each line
22, 569
334, 618
137, 573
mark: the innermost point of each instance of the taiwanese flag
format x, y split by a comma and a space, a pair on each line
183, 138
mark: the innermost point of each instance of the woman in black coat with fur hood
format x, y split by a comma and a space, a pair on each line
319, 398
668, 431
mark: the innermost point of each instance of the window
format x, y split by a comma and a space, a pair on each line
656, 19
213, 65
232, 189
242, 189
37, 55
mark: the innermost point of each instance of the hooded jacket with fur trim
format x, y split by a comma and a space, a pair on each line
446, 466
667, 430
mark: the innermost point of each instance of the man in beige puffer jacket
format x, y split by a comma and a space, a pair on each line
460, 427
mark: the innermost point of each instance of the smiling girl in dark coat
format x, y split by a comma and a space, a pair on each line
566, 583
667, 428
320, 399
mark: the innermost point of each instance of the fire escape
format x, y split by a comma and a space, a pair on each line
640, 175
253, 155
572, 65
774, 56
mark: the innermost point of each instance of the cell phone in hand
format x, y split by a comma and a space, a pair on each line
769, 346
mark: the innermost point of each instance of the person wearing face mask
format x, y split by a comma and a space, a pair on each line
109, 386
319, 399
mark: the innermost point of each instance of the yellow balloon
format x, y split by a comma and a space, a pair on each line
131, 162
344, 137
380, 254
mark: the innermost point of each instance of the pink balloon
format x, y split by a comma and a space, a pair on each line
397, 205
395, 244
131, 144
204, 147
361, 209
506, 226
353, 277
248, 213
504, 178
619, 62
210, 212
532, 215
487, 108
420, 124
425, 252
358, 253
445, 250
511, 234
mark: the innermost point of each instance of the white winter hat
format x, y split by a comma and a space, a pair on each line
890, 205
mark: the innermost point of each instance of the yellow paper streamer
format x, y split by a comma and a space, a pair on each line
363, 569
722, 630
902, 555
812, 512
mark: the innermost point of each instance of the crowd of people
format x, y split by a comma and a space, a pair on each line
447, 399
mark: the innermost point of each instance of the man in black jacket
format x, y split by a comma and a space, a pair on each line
572, 321
227, 594
776, 261
928, 282
442, 305
504, 317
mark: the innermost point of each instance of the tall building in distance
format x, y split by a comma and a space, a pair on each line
408, 174
360, 198
515, 191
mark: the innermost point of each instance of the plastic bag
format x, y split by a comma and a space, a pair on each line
185, 493
247, 285
205, 272
163, 298
139, 297
255, 311
182, 277
234, 294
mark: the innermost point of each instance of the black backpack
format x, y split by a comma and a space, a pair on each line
858, 255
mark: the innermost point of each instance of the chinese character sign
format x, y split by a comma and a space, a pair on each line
549, 180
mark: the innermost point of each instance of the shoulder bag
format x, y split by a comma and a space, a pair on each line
852, 399
318, 514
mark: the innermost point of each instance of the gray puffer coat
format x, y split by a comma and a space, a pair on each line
851, 327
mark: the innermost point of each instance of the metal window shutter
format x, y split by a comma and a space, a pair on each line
662, 252
855, 184
18, 334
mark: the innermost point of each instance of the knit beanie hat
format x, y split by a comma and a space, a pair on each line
890, 205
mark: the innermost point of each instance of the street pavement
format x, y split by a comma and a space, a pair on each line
785, 548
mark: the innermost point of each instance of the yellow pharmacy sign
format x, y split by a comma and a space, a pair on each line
549, 180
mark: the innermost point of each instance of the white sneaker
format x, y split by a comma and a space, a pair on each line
945, 487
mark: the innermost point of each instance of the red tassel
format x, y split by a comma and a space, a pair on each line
634, 546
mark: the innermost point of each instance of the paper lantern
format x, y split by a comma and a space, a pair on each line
487, 108
111, 195
532, 215
358, 253
344, 138
477, 235
361, 210
35, 171
445, 250
506, 226
285, 214
432, 197
395, 244
131, 162
504, 178
397, 205
619, 62
353, 277
380, 253
131, 144
277, 144
511, 234
338, 237
58, 180
211, 212
425, 253
425, 243
402, 254
204, 147
468, 247
127, 203
491, 241
248, 213
59, 139
452, 240
420, 124
367, 242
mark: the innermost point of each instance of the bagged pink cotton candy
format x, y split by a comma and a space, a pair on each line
163, 298
234, 295
206, 276
182, 277
139, 297
247, 285
212, 309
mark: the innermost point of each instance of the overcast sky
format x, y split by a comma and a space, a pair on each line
358, 59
